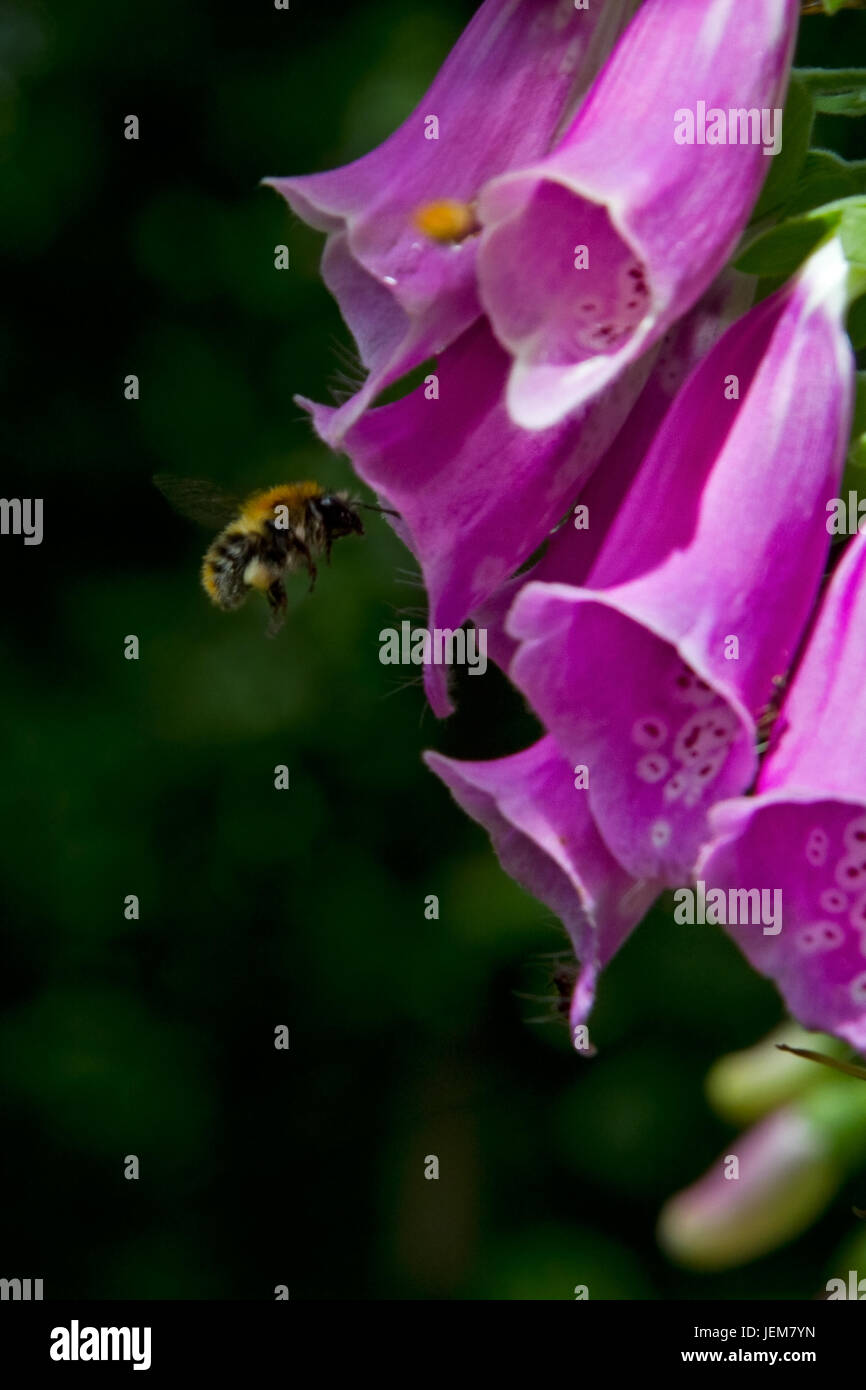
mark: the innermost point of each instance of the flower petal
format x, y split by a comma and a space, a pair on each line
804, 833
658, 219
476, 494
653, 673
497, 102
572, 549
545, 839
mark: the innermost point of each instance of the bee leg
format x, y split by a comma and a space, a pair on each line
276, 597
308, 560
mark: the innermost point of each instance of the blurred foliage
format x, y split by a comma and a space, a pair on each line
155, 1037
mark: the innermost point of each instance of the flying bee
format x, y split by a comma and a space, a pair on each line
264, 537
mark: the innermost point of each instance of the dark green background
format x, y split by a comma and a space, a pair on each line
155, 777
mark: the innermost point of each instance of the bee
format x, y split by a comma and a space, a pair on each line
264, 536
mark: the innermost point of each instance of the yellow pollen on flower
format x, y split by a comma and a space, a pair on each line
446, 220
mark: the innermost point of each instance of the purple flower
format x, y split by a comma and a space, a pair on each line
786, 1175
571, 551
776, 1178
498, 101
544, 837
804, 832
654, 672
591, 253
475, 493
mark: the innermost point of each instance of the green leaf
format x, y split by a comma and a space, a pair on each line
855, 463
836, 91
825, 177
783, 249
786, 166
767, 285
853, 231
849, 104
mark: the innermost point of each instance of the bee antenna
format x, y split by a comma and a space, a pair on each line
373, 507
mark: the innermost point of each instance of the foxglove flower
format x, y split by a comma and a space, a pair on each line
652, 674
571, 551
532, 804
590, 254
788, 1173
804, 831
497, 103
777, 1177
537, 817
475, 493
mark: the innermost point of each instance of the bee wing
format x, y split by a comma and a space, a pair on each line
199, 500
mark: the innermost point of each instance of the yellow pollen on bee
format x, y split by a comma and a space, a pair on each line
258, 575
446, 220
